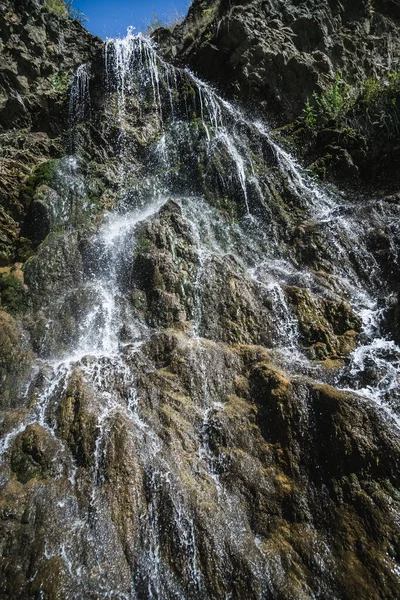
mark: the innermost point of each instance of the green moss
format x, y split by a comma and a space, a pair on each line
187, 89
14, 297
183, 288
43, 175
329, 327
95, 191
158, 281
320, 167
341, 317
139, 300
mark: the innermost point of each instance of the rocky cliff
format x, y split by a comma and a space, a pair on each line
275, 56
199, 370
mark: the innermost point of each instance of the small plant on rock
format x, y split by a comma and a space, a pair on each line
330, 105
73, 13
381, 95
370, 90
336, 100
60, 83
176, 18
207, 12
310, 117
154, 24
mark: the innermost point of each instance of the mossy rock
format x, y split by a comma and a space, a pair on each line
24, 249
44, 174
14, 296
33, 454
321, 166
76, 424
52, 580
275, 397
328, 328
8, 236
351, 438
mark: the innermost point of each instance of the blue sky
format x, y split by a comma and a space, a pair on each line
111, 18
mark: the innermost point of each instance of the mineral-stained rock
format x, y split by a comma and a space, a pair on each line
76, 425
164, 268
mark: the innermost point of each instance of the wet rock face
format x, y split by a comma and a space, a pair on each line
168, 271
328, 328
307, 473
165, 269
33, 455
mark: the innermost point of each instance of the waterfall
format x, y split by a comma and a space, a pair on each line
174, 152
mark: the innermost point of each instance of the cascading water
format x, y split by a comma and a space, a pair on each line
175, 150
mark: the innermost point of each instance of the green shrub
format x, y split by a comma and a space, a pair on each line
342, 105
64, 8
75, 15
42, 175
381, 93
60, 83
58, 7
370, 90
332, 104
310, 117
336, 100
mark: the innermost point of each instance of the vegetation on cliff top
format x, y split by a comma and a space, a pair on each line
64, 8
